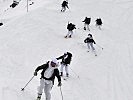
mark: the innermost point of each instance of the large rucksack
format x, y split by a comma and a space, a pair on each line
99, 21
64, 3
1, 24
88, 20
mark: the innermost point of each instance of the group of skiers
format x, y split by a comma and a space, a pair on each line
71, 26
50, 68
88, 20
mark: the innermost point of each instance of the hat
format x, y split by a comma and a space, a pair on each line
65, 53
90, 34
54, 60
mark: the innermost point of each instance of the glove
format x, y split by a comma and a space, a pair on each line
35, 73
59, 84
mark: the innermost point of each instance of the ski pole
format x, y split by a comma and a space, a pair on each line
61, 93
99, 46
74, 72
22, 89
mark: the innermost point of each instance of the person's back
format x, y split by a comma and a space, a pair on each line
69, 57
89, 40
99, 21
64, 4
14, 4
69, 26
87, 20
1, 24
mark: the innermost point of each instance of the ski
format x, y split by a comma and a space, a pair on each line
67, 37
64, 77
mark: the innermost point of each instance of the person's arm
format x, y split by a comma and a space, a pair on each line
85, 41
94, 42
39, 68
59, 57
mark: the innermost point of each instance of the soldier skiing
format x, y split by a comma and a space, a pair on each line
90, 41
66, 60
99, 23
49, 71
14, 4
64, 5
86, 23
70, 28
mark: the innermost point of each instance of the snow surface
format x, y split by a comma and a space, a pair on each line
28, 40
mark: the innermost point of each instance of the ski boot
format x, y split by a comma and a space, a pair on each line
67, 75
65, 36
39, 97
70, 36
61, 74
84, 28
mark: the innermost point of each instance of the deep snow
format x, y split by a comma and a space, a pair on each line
28, 40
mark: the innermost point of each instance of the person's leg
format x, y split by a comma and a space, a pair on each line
47, 90
40, 89
84, 26
66, 69
87, 25
88, 45
67, 34
91, 44
71, 33
61, 69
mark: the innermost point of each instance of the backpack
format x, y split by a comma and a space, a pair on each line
1, 24
64, 3
88, 20
69, 54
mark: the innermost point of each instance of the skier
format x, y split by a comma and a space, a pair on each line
86, 23
89, 40
70, 28
64, 5
14, 4
1, 24
49, 71
66, 59
99, 23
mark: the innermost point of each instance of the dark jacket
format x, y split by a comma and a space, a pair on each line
66, 58
14, 4
71, 27
65, 4
87, 20
99, 21
44, 67
89, 40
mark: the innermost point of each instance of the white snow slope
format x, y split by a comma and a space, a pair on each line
28, 40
